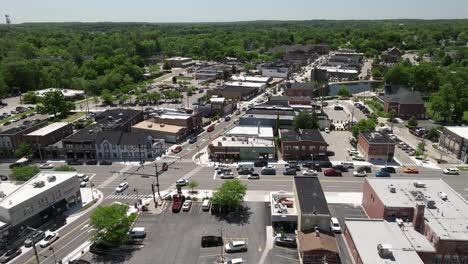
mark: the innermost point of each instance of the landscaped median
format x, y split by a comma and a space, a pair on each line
377, 107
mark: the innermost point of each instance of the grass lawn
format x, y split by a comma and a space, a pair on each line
377, 107
465, 116
73, 117
463, 168
17, 115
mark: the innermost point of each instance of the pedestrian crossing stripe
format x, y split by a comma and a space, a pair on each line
128, 197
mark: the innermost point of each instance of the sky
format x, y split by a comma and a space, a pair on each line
226, 10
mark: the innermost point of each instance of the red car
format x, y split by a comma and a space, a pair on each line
210, 128
176, 205
164, 166
331, 172
177, 149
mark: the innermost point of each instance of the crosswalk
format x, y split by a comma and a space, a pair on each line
124, 196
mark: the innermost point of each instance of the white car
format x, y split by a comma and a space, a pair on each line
50, 237
186, 206
181, 182
82, 184
227, 175
310, 173
122, 186
85, 178
80, 175
327, 130
359, 174
335, 225
358, 158
46, 166
234, 261
235, 246
451, 171
253, 176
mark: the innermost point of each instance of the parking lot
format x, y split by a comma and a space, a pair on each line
338, 142
176, 237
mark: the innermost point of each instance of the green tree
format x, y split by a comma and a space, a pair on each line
363, 125
54, 103
398, 75
412, 122
24, 173
107, 97
30, 98
344, 92
421, 149
433, 134
305, 120
111, 224
230, 194
192, 185
167, 66
23, 150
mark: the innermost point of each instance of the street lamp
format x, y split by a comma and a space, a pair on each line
53, 254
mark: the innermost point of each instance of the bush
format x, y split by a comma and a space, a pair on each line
65, 168
24, 173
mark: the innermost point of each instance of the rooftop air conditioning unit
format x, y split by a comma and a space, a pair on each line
2, 194
233, 139
392, 188
430, 204
419, 184
220, 144
150, 125
162, 125
38, 184
385, 250
443, 196
51, 178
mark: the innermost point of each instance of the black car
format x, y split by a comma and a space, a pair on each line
367, 169
192, 140
105, 162
3, 177
293, 165
289, 171
75, 162
245, 171
91, 162
340, 168
35, 237
260, 163
79, 261
286, 242
211, 241
10, 254
326, 164
389, 169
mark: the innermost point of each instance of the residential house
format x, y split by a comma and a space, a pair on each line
11, 138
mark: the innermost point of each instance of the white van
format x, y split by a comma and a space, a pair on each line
206, 205
138, 232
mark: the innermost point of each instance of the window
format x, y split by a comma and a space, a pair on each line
295, 147
99, 146
115, 155
311, 147
113, 147
303, 147
287, 147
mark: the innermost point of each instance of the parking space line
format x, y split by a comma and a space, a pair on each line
289, 258
214, 175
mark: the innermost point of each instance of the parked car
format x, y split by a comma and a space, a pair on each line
365, 169
137, 232
335, 225
186, 206
206, 205
260, 163
50, 238
3, 177
192, 140
177, 149
235, 246
79, 261
245, 171
340, 168
35, 237
227, 118
332, 172
181, 182
83, 184
449, 171
75, 162
122, 186
253, 176
358, 158
105, 162
268, 170
382, 173
10, 254
290, 171
226, 175
410, 170
211, 241
91, 162
327, 130
286, 242
359, 174
46, 166
347, 164
310, 172
210, 128
176, 205
389, 169
234, 261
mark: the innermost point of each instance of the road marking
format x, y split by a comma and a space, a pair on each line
214, 175
84, 227
91, 230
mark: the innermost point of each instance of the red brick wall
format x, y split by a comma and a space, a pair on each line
299, 92
301, 154
371, 202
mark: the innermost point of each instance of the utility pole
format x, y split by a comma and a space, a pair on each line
53, 253
35, 252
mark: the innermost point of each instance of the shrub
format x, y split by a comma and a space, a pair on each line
65, 168
24, 173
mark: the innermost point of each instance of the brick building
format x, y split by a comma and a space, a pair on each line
42, 138
179, 62
403, 102
300, 89
10, 139
191, 122
455, 140
305, 144
376, 146
433, 207
315, 247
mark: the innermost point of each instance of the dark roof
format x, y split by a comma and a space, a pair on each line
290, 98
113, 137
87, 134
300, 86
271, 112
377, 138
301, 135
20, 128
310, 194
135, 138
401, 95
312, 241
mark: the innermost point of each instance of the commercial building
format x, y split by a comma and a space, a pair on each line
403, 102
67, 93
283, 211
304, 144
82, 144
275, 69
241, 148
455, 140
266, 120
254, 79
48, 135
126, 146
222, 106
335, 73
300, 89
179, 62
239, 91
301, 54
259, 86
433, 207
168, 133
316, 247
191, 122
399, 243
36, 201
263, 132
212, 73
10, 139
289, 100
348, 58
376, 146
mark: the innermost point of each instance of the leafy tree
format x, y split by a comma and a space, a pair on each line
230, 194
64, 168
171, 94
166, 66
397, 75
174, 79
30, 98
53, 103
363, 125
23, 150
344, 92
433, 134
24, 173
111, 224
154, 97
107, 97
412, 122
192, 185
305, 120
421, 148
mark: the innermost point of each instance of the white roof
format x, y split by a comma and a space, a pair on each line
448, 219
174, 116
245, 84
65, 92
27, 190
178, 58
217, 99
459, 130
368, 233
251, 131
243, 142
48, 129
240, 78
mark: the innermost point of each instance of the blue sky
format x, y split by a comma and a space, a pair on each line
230, 10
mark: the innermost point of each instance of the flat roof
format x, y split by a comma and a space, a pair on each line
459, 130
310, 194
448, 217
174, 116
283, 203
227, 141
377, 138
158, 127
179, 58
240, 78
368, 233
217, 99
48, 129
266, 116
27, 190
253, 131
245, 84
65, 92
